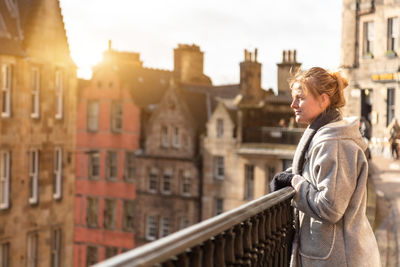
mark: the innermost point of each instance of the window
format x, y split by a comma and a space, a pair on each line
6, 78
128, 212
249, 181
35, 112
175, 141
286, 163
164, 229
5, 179
390, 105
116, 117
5, 254
368, 38
183, 222
151, 227
111, 165
33, 176
153, 180
92, 116
166, 182
92, 210
186, 181
94, 166
393, 34
220, 128
91, 255
130, 166
57, 173
219, 206
56, 248
32, 253
219, 168
110, 209
111, 252
164, 136
269, 174
59, 94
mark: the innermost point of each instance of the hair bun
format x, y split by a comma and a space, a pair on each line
342, 81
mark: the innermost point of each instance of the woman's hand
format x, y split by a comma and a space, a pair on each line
281, 180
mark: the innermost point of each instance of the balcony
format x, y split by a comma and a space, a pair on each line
272, 135
258, 233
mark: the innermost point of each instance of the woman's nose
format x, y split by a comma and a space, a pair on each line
294, 104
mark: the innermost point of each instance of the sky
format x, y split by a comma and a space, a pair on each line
222, 29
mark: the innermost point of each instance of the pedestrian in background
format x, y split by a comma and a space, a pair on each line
394, 132
329, 175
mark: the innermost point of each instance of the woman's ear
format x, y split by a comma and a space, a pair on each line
325, 101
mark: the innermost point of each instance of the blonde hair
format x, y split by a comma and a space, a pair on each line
318, 81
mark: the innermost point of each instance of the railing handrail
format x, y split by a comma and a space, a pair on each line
178, 242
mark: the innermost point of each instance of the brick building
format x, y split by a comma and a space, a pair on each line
108, 131
370, 57
38, 85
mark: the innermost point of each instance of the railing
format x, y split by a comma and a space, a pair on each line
258, 233
272, 135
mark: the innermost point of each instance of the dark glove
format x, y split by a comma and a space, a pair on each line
281, 180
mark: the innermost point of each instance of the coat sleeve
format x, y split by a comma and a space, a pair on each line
334, 168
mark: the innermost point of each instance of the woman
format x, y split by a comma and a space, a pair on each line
329, 175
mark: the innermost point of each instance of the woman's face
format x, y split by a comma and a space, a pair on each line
306, 107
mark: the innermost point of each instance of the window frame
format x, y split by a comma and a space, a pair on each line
56, 245
166, 184
96, 255
165, 226
219, 164
164, 136
390, 104
112, 165
186, 180
5, 253
92, 212
117, 117
5, 179
392, 34
368, 38
151, 226
220, 128
6, 89
35, 84
153, 178
175, 138
92, 116
94, 164
58, 173
129, 166
32, 255
249, 175
109, 213
219, 206
59, 94
128, 216
34, 176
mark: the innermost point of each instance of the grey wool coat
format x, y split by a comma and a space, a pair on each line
331, 196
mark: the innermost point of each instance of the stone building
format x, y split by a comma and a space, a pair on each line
244, 145
37, 148
370, 58
168, 174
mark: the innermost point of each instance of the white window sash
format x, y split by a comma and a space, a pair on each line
59, 94
219, 165
56, 247
5, 180
164, 229
93, 114
34, 175
164, 136
176, 138
151, 228
58, 158
35, 93
6, 75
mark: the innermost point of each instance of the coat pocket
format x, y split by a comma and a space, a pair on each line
317, 239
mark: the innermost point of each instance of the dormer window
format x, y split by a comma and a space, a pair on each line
164, 136
175, 141
220, 128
